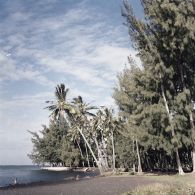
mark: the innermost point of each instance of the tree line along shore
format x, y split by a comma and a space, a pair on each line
153, 128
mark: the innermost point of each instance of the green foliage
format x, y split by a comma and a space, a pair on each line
125, 158
69, 154
53, 146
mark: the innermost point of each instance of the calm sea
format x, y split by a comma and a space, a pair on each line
29, 174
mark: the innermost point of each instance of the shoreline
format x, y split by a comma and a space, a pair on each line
78, 173
47, 183
104, 185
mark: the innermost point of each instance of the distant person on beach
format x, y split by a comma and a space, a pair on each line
15, 181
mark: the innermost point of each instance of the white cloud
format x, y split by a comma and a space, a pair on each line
20, 16
77, 43
26, 101
10, 71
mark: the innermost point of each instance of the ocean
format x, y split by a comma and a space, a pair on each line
29, 174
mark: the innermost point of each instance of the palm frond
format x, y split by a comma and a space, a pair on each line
51, 107
50, 102
90, 114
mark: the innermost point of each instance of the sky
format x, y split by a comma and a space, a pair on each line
81, 43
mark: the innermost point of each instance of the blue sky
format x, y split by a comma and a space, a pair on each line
81, 43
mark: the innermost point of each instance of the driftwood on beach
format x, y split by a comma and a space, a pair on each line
82, 169
56, 168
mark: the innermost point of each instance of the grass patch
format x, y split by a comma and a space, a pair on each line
162, 189
167, 185
188, 179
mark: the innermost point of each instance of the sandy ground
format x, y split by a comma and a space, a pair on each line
93, 186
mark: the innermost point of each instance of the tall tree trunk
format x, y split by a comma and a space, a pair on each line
133, 154
104, 150
88, 145
180, 170
191, 118
170, 117
139, 159
87, 155
93, 162
149, 165
83, 163
193, 149
113, 151
134, 168
193, 159
101, 159
193, 139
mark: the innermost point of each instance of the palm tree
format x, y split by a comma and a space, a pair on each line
101, 131
76, 114
60, 106
75, 137
112, 125
83, 111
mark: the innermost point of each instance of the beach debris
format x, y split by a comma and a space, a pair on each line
77, 178
15, 181
86, 169
56, 168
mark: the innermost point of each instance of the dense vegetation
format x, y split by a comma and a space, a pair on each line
154, 128
76, 135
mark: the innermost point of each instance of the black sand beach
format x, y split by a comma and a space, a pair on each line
93, 186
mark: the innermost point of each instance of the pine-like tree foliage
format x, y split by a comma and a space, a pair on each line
143, 111
159, 103
53, 146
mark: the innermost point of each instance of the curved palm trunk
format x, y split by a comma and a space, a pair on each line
88, 145
101, 159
